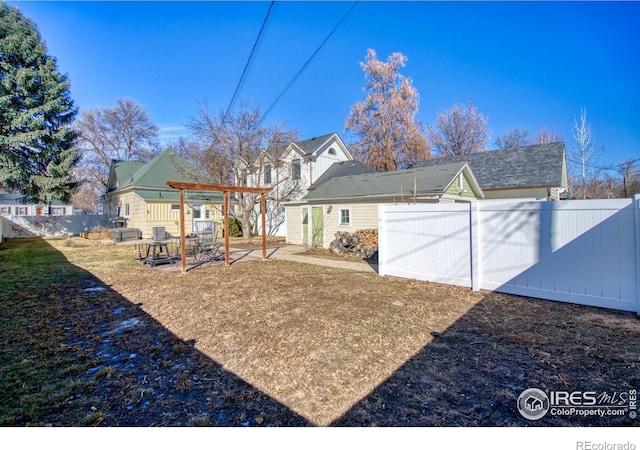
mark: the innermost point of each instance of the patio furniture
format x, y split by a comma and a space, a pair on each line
207, 247
157, 253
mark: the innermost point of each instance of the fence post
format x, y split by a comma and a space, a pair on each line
636, 210
382, 240
474, 229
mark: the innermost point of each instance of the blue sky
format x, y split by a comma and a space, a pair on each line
524, 64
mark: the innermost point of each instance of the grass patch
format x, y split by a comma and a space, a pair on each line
276, 343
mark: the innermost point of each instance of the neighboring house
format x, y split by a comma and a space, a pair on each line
291, 172
350, 203
19, 205
138, 196
535, 172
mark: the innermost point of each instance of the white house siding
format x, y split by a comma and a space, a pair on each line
293, 217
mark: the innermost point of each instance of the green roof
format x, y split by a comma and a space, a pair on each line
429, 181
168, 165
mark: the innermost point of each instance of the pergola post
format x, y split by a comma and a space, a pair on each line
263, 208
183, 243
226, 227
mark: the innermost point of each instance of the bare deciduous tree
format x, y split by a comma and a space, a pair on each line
514, 138
459, 131
546, 136
124, 132
231, 144
387, 134
583, 158
85, 200
630, 178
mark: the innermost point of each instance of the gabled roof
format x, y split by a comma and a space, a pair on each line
313, 145
342, 169
430, 181
168, 165
523, 167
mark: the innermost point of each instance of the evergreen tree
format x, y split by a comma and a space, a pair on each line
36, 112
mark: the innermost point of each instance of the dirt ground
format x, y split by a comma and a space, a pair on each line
273, 343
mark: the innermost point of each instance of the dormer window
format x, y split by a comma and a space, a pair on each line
267, 174
296, 170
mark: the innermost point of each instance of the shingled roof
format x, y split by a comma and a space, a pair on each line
532, 166
430, 181
311, 145
342, 169
154, 174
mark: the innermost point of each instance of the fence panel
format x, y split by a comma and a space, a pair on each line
581, 251
426, 242
30, 226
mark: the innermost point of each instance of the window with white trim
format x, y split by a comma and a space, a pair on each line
175, 207
344, 217
332, 151
267, 174
127, 211
5, 210
296, 169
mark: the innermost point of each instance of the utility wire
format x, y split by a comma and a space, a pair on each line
247, 66
610, 167
309, 61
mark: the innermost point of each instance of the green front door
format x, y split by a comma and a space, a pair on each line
317, 226
305, 225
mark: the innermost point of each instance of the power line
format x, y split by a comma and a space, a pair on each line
249, 63
610, 167
309, 61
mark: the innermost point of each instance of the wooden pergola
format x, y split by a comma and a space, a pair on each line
225, 189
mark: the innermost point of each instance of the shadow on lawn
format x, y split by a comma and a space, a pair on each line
115, 364
473, 372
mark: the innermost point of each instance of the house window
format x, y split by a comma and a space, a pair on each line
267, 174
207, 214
332, 151
22, 210
244, 179
58, 211
197, 213
175, 207
5, 210
295, 169
345, 217
126, 210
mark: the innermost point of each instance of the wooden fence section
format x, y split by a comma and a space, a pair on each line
579, 251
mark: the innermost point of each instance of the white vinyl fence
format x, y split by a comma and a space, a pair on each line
578, 251
31, 226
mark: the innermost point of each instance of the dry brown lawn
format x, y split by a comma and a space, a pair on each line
331, 346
